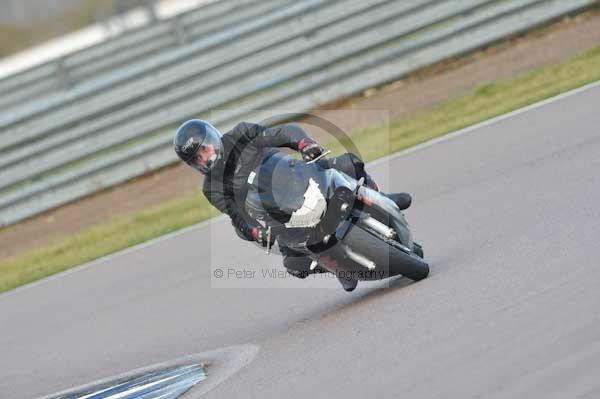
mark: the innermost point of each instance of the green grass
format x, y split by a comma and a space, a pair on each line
103, 239
485, 102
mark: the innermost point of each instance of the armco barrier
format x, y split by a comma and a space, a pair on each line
73, 69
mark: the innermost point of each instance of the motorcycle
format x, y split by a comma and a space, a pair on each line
343, 226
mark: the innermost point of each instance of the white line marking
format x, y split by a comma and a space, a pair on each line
401, 153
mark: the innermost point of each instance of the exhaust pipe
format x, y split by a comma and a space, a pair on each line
378, 227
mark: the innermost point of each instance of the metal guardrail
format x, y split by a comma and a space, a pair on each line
73, 69
169, 68
212, 10
335, 61
194, 77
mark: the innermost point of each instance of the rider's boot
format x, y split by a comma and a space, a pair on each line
348, 282
403, 200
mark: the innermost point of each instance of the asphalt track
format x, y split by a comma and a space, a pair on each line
509, 217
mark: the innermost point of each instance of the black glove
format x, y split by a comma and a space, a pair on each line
309, 150
259, 234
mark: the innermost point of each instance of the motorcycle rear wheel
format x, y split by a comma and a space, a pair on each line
386, 257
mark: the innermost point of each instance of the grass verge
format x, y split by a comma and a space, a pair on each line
485, 102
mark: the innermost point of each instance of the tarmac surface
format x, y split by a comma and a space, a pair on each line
509, 218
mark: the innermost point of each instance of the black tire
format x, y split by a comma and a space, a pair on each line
386, 257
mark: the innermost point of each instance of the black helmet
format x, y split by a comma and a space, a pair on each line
198, 143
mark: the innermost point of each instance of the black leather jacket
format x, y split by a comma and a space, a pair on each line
244, 148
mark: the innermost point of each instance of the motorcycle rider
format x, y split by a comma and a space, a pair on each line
227, 160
